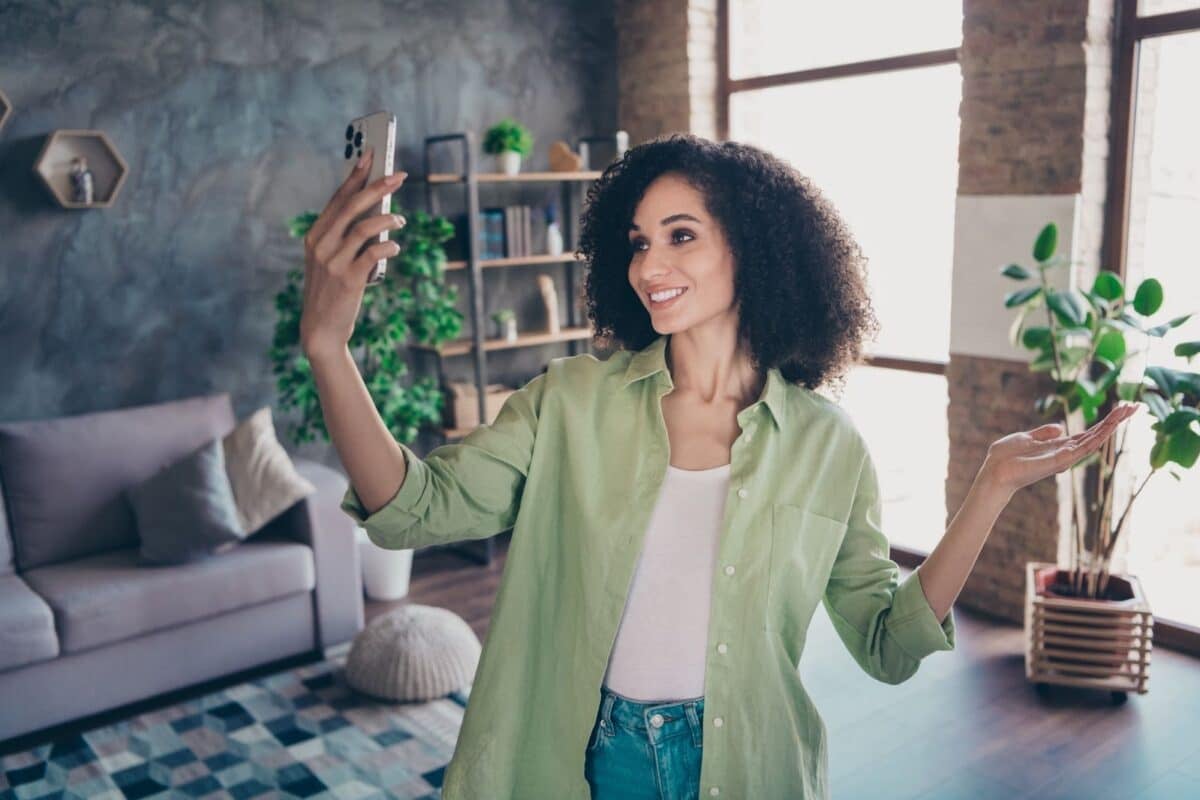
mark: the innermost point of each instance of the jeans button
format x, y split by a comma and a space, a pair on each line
656, 720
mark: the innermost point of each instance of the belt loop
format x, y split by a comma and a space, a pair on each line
694, 723
606, 711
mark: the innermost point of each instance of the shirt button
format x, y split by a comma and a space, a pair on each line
722, 647
729, 569
742, 493
656, 720
718, 722
714, 791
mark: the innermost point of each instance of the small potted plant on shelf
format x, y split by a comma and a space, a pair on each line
413, 301
1083, 626
506, 321
508, 140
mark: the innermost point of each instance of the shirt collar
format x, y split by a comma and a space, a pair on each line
652, 359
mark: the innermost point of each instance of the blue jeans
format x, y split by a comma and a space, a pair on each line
645, 751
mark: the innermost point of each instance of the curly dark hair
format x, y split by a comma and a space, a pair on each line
799, 270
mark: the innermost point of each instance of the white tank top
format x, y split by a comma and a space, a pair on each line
662, 639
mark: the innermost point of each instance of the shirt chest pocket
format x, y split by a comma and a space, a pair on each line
804, 545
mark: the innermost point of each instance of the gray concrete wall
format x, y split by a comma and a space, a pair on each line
231, 116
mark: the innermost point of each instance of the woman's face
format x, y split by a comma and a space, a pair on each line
675, 244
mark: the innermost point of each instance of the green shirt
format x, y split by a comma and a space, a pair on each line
573, 463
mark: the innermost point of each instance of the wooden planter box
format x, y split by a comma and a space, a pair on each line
1101, 644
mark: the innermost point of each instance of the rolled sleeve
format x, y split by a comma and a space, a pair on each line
913, 622
886, 624
468, 489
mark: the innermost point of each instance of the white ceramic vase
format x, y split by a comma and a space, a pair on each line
385, 572
509, 162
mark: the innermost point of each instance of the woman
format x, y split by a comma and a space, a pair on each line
678, 509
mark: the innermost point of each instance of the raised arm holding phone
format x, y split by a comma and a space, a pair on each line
335, 278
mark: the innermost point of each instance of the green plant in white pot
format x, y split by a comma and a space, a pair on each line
1081, 629
508, 140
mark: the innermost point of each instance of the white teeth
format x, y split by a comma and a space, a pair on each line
658, 297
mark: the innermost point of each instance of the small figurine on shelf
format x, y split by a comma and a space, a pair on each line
507, 320
550, 301
554, 239
82, 181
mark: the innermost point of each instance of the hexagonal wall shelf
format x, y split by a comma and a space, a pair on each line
53, 165
5, 109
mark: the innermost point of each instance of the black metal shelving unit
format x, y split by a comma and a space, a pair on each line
572, 197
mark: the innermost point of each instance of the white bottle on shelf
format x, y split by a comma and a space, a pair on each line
554, 239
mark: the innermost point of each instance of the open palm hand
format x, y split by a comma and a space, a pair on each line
1025, 457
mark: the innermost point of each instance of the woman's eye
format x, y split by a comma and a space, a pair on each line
635, 245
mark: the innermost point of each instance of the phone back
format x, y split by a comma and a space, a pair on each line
378, 131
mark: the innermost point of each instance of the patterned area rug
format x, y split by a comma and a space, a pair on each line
298, 733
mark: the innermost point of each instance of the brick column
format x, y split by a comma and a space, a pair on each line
1032, 150
667, 67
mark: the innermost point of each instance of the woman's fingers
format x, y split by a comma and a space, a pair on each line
353, 183
361, 201
365, 231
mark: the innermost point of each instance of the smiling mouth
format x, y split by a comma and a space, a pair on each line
661, 303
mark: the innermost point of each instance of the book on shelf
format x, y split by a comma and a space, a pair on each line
504, 232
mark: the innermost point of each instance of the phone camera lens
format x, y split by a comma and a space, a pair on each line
349, 132
349, 150
358, 139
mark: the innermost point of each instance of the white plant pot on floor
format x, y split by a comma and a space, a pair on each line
385, 572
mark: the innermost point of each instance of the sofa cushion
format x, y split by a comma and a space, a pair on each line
6, 551
65, 479
112, 596
186, 512
264, 480
26, 625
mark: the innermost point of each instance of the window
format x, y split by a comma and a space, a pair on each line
870, 114
1161, 240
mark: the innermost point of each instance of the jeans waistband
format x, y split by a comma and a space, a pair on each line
638, 716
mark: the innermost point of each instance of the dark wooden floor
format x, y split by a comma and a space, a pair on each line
967, 725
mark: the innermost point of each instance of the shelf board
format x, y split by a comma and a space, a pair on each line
500, 177
463, 346
516, 261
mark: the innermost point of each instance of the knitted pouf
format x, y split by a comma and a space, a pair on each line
414, 653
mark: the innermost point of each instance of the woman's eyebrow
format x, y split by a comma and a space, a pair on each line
667, 220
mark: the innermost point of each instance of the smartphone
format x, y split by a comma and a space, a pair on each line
377, 131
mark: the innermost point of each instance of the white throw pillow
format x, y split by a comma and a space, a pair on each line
264, 480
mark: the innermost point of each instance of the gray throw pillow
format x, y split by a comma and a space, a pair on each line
186, 511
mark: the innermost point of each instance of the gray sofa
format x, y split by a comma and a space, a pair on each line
85, 628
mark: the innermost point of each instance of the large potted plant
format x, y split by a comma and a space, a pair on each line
508, 140
1083, 626
413, 303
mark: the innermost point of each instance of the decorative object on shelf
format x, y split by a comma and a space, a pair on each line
414, 305
554, 237
506, 320
56, 163
508, 140
386, 571
82, 181
1073, 641
463, 408
550, 301
1082, 346
414, 653
620, 142
562, 159
5, 109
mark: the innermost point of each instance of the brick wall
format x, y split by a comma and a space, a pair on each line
667, 67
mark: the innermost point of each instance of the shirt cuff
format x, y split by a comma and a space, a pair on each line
913, 624
399, 513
